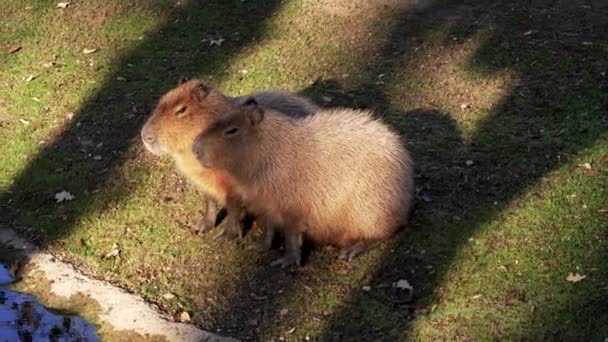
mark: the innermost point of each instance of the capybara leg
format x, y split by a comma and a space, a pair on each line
235, 218
349, 252
293, 251
208, 221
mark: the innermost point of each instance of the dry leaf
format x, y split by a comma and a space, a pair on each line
575, 277
185, 317
217, 42
503, 268
403, 285
63, 4
257, 297
120, 78
87, 51
477, 296
527, 33
468, 162
605, 159
586, 166
36, 99
114, 253
63, 196
25, 122
14, 49
168, 295
290, 331
366, 288
30, 78
465, 106
80, 243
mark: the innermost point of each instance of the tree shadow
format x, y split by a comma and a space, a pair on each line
461, 196
87, 154
556, 110
108, 122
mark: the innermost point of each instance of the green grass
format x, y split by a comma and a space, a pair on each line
488, 256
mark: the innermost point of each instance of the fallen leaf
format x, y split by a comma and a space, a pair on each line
366, 288
477, 296
63, 4
185, 317
25, 122
30, 78
403, 285
36, 99
14, 49
586, 166
575, 277
80, 243
69, 116
527, 33
168, 295
468, 162
257, 297
290, 331
216, 42
63, 196
87, 51
592, 172
114, 253
120, 78
465, 106
605, 159
503, 268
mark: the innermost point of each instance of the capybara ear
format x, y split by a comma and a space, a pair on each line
254, 112
183, 79
200, 91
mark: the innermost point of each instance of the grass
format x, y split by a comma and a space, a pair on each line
516, 88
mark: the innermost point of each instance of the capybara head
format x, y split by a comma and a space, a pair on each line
228, 140
182, 114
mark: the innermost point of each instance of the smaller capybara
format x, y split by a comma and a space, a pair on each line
339, 177
187, 110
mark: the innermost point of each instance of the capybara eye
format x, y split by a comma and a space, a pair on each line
231, 131
180, 111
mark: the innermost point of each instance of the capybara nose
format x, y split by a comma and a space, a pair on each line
147, 137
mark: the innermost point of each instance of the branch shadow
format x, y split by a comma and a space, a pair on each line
556, 111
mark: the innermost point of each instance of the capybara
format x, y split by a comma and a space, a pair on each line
338, 177
186, 111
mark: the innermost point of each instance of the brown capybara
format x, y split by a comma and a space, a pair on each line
339, 177
187, 110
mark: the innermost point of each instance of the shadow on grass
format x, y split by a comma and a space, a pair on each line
557, 110
114, 114
109, 121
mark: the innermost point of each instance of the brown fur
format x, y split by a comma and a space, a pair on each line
339, 176
170, 133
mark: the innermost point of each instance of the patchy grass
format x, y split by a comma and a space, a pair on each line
502, 102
